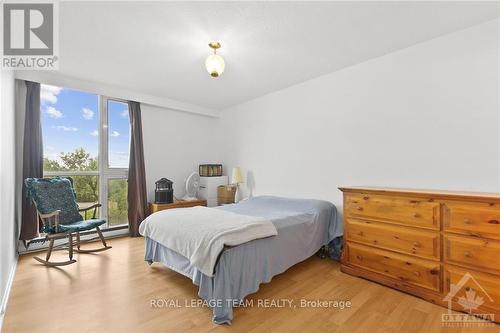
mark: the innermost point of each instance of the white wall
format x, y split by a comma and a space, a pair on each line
175, 143
8, 231
425, 117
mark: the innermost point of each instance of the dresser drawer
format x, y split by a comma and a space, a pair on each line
418, 242
400, 210
408, 269
478, 219
480, 253
484, 285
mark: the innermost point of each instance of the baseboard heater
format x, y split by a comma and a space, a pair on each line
40, 243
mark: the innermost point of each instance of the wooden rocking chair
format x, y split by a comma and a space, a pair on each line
55, 202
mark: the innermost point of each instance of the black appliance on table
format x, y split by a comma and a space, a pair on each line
164, 192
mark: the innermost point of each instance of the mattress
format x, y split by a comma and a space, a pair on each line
303, 227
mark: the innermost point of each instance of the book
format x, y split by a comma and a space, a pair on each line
210, 170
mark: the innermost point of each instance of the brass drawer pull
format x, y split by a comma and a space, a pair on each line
360, 208
494, 222
417, 273
360, 233
416, 215
359, 257
366, 197
467, 254
416, 244
467, 221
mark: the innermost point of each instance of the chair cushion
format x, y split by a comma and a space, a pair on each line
81, 226
54, 194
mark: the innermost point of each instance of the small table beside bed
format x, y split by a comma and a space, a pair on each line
249, 243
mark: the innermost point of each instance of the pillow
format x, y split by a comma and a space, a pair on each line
54, 194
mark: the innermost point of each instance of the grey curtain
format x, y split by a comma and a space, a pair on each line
137, 200
32, 157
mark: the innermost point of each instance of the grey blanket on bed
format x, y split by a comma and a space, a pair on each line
303, 227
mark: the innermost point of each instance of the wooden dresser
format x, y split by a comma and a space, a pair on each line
424, 242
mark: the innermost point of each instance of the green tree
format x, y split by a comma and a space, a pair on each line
117, 203
51, 165
79, 160
86, 187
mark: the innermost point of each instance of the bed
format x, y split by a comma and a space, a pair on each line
303, 227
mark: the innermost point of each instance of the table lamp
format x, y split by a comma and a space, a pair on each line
237, 179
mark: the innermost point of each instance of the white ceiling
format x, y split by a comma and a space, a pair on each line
160, 48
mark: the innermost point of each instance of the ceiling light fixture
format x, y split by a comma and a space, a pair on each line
215, 64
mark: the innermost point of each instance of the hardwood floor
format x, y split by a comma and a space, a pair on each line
112, 292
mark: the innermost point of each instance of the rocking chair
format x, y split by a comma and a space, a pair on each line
55, 202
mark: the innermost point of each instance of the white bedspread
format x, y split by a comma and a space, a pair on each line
200, 233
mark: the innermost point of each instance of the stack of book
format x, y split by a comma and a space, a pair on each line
210, 170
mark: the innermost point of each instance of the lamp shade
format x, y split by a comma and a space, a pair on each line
215, 65
236, 178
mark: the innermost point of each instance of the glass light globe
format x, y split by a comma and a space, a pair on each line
215, 65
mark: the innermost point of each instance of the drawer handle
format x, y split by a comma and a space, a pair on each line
360, 233
494, 222
366, 197
416, 244
468, 254
467, 221
360, 208
416, 215
359, 257
435, 271
416, 273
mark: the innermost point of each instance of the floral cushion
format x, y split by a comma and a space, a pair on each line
54, 194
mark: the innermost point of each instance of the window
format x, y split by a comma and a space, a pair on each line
87, 137
115, 147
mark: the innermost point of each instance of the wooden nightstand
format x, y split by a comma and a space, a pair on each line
154, 207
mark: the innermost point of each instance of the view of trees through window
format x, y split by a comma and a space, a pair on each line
117, 201
71, 129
